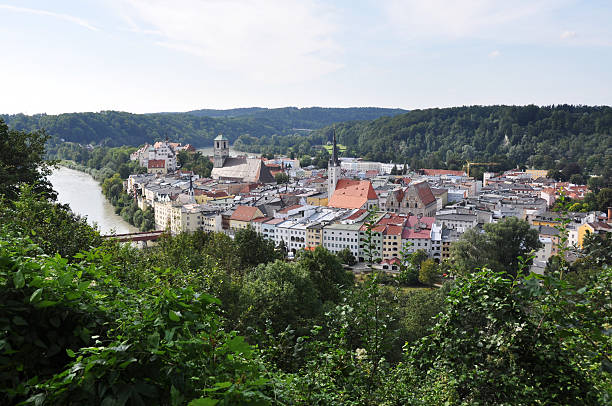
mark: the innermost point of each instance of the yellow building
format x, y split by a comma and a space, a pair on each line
598, 227
314, 235
242, 216
320, 199
536, 173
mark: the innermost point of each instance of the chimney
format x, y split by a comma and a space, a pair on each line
609, 214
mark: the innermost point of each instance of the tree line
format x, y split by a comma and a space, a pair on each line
199, 128
547, 137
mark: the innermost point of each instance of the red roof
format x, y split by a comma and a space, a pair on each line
356, 215
440, 172
352, 194
424, 192
244, 213
156, 163
393, 230
424, 231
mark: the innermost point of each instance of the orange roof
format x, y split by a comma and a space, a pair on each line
352, 194
393, 230
244, 213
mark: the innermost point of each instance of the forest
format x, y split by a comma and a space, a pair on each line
548, 137
202, 319
115, 128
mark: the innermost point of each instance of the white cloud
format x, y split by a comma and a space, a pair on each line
494, 54
65, 17
445, 19
568, 34
275, 41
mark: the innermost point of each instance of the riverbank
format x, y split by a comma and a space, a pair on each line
84, 196
111, 188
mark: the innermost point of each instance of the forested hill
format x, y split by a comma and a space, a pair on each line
197, 127
523, 135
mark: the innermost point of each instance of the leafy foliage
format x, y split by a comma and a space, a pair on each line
487, 348
500, 247
22, 161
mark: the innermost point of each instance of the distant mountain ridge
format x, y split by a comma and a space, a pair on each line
198, 127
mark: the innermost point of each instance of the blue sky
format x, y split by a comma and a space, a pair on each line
153, 55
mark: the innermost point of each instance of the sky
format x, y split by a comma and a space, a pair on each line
146, 56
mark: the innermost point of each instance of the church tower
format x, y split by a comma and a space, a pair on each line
333, 169
221, 151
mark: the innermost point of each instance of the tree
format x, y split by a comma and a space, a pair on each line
347, 257
282, 178
280, 293
488, 348
252, 249
429, 273
54, 227
417, 258
499, 247
22, 161
577, 179
305, 161
326, 272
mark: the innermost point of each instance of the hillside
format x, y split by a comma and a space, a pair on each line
439, 138
198, 127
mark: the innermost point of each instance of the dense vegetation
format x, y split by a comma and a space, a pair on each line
115, 128
550, 137
203, 319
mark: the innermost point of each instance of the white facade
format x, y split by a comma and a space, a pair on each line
337, 237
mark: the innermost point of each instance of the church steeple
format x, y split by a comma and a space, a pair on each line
334, 161
333, 168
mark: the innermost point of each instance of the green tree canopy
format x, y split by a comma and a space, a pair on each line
499, 247
326, 272
22, 161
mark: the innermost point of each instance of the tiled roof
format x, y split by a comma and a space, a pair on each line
424, 192
440, 172
393, 230
356, 215
244, 213
156, 163
352, 194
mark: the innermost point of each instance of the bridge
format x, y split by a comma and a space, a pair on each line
136, 237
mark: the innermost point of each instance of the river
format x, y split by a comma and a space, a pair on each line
84, 195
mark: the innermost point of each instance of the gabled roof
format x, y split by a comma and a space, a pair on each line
352, 194
244, 213
424, 193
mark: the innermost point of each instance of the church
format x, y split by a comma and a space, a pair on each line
347, 193
237, 169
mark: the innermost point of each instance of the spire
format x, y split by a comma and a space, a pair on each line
334, 157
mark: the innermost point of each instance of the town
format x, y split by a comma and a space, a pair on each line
422, 209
